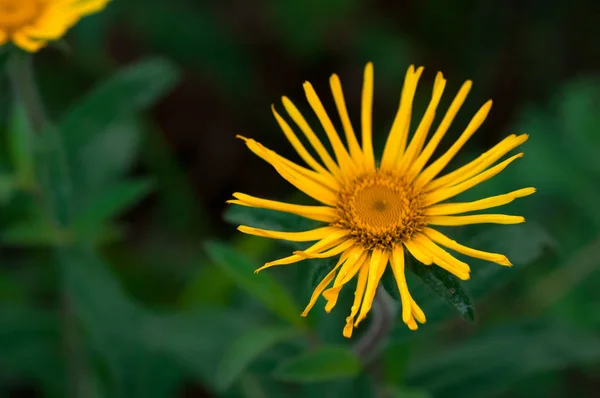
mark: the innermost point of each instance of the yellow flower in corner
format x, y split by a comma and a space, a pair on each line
372, 211
31, 24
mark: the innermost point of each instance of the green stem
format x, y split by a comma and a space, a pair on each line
55, 201
384, 311
20, 70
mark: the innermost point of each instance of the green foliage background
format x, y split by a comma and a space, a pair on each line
122, 274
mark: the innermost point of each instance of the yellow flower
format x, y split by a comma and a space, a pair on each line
30, 24
373, 210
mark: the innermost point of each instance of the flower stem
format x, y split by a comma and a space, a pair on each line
20, 71
384, 311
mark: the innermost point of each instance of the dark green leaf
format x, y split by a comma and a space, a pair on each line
99, 134
31, 233
270, 220
8, 186
514, 351
111, 203
20, 147
130, 90
325, 363
261, 286
445, 285
31, 348
246, 349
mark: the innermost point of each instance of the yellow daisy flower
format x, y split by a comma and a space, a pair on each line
30, 24
374, 210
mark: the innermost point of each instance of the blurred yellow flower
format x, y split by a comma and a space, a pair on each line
373, 211
30, 24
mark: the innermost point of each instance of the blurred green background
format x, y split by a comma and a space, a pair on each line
148, 290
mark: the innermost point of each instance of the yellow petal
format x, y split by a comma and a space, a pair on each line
324, 244
433, 170
338, 96
442, 239
307, 181
347, 272
418, 253
396, 142
487, 203
305, 236
320, 287
478, 165
329, 253
21, 39
447, 193
300, 149
311, 136
397, 264
437, 251
475, 219
367, 117
358, 297
318, 213
443, 263
377, 266
90, 6
420, 135
338, 148
433, 143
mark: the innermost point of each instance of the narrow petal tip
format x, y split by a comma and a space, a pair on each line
505, 262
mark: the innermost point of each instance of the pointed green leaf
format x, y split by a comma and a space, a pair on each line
514, 351
99, 133
246, 349
445, 285
325, 363
20, 147
111, 203
261, 286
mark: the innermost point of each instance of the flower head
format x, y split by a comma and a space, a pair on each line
30, 24
374, 211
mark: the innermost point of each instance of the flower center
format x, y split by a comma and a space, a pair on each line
380, 209
16, 13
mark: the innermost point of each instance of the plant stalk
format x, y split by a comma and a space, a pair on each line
20, 71
384, 312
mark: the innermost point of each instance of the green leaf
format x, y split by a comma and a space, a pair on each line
111, 203
99, 134
20, 147
405, 392
146, 352
325, 363
8, 186
32, 233
128, 91
445, 285
105, 158
261, 286
31, 348
246, 349
514, 351
270, 220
